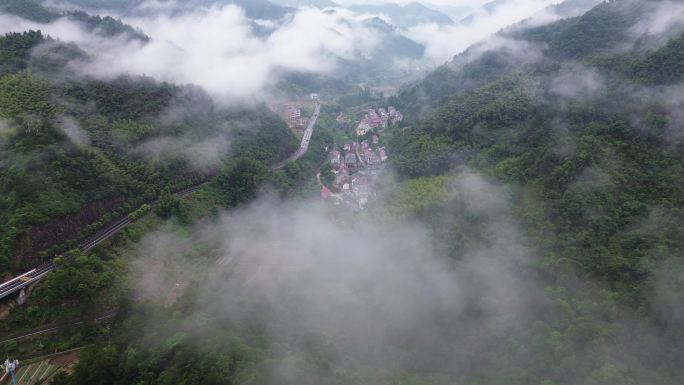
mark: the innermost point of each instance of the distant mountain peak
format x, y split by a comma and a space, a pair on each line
405, 16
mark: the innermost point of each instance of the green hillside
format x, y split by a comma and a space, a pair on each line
590, 136
75, 151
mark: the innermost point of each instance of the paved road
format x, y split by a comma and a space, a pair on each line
306, 140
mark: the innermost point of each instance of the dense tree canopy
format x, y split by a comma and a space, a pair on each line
83, 151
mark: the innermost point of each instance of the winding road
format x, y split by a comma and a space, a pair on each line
306, 139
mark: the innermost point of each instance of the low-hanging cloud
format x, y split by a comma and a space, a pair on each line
366, 287
216, 48
4, 126
206, 153
72, 129
517, 53
662, 17
4, 131
383, 297
576, 82
443, 41
665, 101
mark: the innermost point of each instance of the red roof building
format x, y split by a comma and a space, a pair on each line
325, 192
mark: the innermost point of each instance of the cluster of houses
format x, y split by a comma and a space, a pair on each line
357, 164
380, 118
347, 160
356, 168
372, 158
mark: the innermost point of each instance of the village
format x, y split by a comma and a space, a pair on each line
355, 166
378, 120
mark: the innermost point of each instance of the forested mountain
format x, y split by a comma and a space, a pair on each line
31, 10
584, 80
607, 29
587, 124
103, 26
78, 152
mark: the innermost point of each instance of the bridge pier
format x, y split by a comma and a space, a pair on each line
22, 297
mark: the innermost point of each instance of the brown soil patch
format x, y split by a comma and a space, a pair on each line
5, 311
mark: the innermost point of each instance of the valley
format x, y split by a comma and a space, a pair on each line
330, 193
